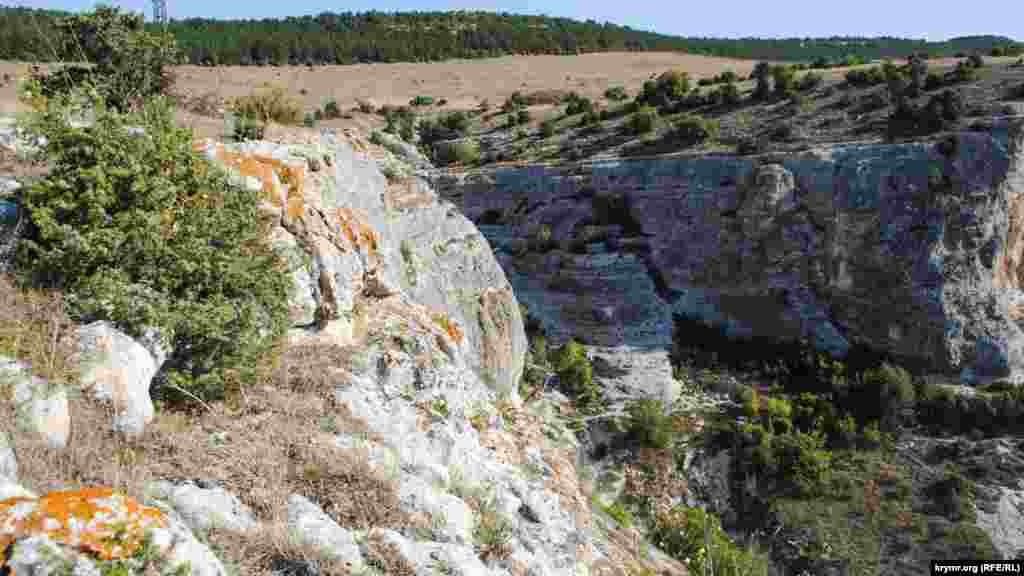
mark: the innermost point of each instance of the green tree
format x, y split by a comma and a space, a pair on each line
139, 229
128, 64
762, 73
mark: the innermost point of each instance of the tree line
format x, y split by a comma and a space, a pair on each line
350, 38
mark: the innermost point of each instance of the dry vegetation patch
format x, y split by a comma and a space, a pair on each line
262, 444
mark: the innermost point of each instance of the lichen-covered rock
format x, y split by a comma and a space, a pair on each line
344, 225
914, 249
89, 525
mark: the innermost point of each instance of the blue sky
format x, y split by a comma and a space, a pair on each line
929, 19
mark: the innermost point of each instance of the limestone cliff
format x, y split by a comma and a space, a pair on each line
913, 248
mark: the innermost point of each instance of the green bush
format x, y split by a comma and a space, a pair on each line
643, 120
618, 512
309, 120
963, 72
127, 64
616, 93
576, 374
694, 536
523, 116
693, 130
783, 81
762, 73
140, 230
268, 104
649, 425
463, 152
729, 94
547, 128
673, 84
810, 81
421, 101
331, 109
248, 129
578, 105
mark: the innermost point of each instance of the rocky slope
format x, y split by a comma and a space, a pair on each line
913, 249
409, 291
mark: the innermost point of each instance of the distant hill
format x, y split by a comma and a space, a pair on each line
347, 38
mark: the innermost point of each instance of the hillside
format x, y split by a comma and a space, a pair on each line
347, 38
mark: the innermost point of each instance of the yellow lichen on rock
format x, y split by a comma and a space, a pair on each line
358, 232
100, 521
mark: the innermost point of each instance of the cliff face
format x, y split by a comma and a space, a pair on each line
914, 249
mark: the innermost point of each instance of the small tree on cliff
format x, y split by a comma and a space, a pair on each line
137, 228
126, 64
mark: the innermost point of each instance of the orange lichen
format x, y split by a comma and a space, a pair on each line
95, 520
358, 232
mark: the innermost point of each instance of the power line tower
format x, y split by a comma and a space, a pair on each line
160, 12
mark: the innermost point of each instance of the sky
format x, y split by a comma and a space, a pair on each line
921, 19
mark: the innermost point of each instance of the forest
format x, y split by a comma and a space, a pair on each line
350, 38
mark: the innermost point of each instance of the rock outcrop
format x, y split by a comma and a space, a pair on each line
407, 293
914, 249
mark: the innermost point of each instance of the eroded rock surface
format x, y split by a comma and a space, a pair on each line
911, 248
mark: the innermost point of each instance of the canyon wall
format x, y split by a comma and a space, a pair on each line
913, 249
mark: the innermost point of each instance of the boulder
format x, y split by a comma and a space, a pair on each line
83, 527
118, 370
41, 408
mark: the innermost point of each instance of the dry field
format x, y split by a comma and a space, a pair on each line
464, 83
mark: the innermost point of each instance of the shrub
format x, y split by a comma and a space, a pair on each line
865, 77
463, 152
649, 425
547, 128
810, 81
693, 130
578, 105
762, 72
783, 81
695, 537
643, 120
513, 102
457, 122
963, 72
618, 512
139, 230
331, 109
309, 120
421, 101
523, 116
576, 375
728, 94
248, 129
128, 65
590, 118
268, 104
673, 84
616, 93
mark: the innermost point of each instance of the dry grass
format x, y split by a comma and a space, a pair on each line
464, 83
270, 442
35, 328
